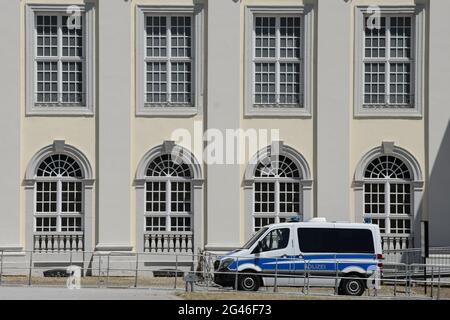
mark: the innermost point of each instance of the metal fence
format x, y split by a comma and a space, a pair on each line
437, 256
181, 272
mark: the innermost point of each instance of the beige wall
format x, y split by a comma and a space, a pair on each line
366, 134
147, 132
294, 132
40, 131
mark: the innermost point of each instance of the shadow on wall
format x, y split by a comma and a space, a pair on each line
439, 194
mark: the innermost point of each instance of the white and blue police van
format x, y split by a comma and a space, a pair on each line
347, 256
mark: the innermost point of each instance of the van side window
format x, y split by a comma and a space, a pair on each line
316, 240
327, 240
275, 240
354, 241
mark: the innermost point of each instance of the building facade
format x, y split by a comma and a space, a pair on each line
119, 121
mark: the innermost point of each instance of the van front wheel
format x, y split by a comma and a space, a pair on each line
352, 287
248, 282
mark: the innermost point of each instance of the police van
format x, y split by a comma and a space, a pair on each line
315, 253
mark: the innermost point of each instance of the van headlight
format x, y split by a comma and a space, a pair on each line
226, 263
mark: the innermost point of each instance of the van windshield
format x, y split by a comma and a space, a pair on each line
255, 238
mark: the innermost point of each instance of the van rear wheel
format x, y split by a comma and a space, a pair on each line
248, 282
352, 287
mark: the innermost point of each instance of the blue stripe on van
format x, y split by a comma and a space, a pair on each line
320, 262
340, 256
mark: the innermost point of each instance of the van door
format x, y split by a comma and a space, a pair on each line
317, 258
273, 255
298, 263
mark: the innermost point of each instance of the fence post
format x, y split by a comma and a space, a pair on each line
31, 268
107, 271
1, 269
207, 270
424, 261
275, 284
99, 269
408, 281
336, 265
236, 275
136, 270
176, 271
432, 280
395, 281
439, 283
307, 278
304, 276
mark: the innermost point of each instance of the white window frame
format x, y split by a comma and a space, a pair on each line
305, 181
197, 62
277, 215
417, 14
197, 191
59, 215
87, 107
306, 13
168, 213
387, 215
416, 181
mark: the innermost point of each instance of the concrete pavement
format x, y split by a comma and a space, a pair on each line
50, 293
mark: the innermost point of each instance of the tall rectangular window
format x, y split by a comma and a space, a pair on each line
389, 61
388, 66
279, 54
59, 61
168, 61
59, 65
277, 62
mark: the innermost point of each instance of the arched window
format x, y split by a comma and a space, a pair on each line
388, 189
168, 195
388, 195
58, 200
59, 191
169, 191
277, 191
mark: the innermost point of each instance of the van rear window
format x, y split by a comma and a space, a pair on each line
329, 240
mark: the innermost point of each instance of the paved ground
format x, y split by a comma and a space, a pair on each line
62, 293
122, 288
45, 293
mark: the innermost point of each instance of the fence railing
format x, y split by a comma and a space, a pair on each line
439, 256
436, 256
414, 281
168, 242
47, 242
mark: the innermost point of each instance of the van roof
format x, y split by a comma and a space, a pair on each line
327, 225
